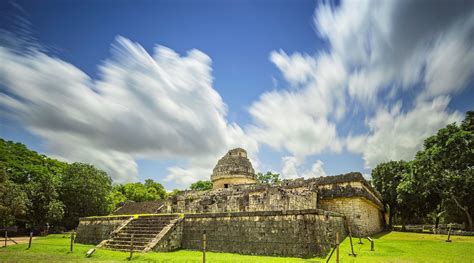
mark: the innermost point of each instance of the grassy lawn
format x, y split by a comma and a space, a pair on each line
391, 247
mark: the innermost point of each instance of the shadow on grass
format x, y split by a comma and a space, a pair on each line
381, 234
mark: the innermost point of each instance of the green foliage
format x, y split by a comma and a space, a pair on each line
85, 191
138, 192
441, 176
41, 190
268, 178
446, 166
12, 200
115, 197
201, 186
386, 178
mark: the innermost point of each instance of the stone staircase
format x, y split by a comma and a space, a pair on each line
147, 232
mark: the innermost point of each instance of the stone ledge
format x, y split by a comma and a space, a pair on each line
104, 218
266, 213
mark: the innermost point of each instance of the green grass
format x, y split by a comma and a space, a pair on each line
391, 247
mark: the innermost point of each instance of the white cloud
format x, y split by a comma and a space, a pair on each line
316, 170
395, 135
386, 42
379, 52
299, 121
292, 165
143, 106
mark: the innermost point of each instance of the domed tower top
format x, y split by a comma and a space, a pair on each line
234, 168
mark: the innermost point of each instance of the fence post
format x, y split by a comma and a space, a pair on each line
371, 243
31, 237
72, 240
449, 234
6, 237
352, 247
337, 247
131, 247
204, 247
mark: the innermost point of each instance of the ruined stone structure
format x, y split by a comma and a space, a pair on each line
233, 169
290, 218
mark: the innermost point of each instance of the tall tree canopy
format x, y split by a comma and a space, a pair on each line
40, 190
446, 164
386, 178
439, 178
85, 191
35, 177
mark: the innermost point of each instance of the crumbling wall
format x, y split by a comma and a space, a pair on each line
303, 233
94, 230
362, 216
242, 198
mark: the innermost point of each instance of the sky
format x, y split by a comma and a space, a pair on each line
162, 89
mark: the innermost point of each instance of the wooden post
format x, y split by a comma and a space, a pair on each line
131, 247
337, 247
449, 234
72, 240
6, 237
352, 247
204, 246
360, 241
371, 243
31, 237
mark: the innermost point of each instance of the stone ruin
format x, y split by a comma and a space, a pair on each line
291, 218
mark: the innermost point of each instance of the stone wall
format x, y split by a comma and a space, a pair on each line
243, 198
362, 215
172, 239
303, 233
94, 230
222, 181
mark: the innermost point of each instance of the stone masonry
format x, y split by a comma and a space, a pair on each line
297, 218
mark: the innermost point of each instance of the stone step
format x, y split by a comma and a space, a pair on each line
135, 243
161, 219
136, 235
135, 247
146, 226
124, 250
142, 231
127, 239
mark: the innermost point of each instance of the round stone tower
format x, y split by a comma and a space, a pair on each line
234, 168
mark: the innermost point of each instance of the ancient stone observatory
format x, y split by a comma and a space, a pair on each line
291, 218
233, 169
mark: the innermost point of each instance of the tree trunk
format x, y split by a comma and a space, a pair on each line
390, 220
465, 209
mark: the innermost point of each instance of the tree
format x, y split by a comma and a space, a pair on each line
201, 185
115, 197
139, 192
155, 187
446, 165
85, 192
268, 178
42, 190
12, 200
386, 178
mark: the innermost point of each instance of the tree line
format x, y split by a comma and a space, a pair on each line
438, 184
37, 191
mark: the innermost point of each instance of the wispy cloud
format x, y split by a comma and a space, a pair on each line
158, 105
378, 52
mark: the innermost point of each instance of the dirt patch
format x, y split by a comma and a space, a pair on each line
19, 240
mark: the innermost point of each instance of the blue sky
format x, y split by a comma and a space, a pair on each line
309, 88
